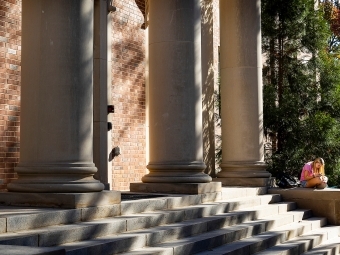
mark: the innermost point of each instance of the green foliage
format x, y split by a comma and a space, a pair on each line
301, 91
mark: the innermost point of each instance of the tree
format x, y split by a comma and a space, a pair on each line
332, 15
301, 86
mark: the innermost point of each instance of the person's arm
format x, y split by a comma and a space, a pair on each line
308, 176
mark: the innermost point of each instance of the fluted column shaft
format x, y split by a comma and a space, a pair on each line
57, 98
241, 89
175, 92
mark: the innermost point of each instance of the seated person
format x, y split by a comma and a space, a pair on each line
313, 174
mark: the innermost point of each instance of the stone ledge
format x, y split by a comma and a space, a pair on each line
323, 203
19, 250
177, 188
61, 200
245, 182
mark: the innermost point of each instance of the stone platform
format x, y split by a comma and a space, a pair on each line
323, 203
245, 182
177, 188
61, 200
241, 220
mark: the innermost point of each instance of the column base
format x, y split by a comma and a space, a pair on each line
170, 178
55, 178
244, 182
180, 172
61, 200
177, 188
56, 187
243, 169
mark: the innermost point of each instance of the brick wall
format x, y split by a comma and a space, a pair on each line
10, 54
128, 92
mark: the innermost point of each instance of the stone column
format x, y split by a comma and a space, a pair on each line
241, 94
208, 82
102, 141
57, 98
175, 93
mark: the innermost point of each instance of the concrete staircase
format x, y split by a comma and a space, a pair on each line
239, 221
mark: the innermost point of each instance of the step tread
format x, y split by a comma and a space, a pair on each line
130, 219
228, 246
278, 204
302, 243
150, 251
331, 246
109, 226
19, 250
258, 200
114, 239
245, 243
26, 218
118, 243
17, 210
296, 215
197, 214
264, 196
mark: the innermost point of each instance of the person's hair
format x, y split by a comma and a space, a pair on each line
321, 170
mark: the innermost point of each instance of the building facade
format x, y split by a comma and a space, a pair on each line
157, 63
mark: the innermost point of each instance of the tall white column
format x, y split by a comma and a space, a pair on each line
241, 93
175, 93
57, 98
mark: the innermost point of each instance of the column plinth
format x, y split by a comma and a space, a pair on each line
177, 173
244, 169
55, 178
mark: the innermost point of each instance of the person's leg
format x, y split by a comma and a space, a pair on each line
322, 185
313, 182
303, 184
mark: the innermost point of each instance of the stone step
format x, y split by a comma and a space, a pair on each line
206, 224
208, 241
13, 219
161, 222
17, 218
150, 251
276, 236
331, 247
248, 202
186, 245
270, 209
286, 218
305, 242
202, 227
20, 250
251, 204
56, 235
237, 192
59, 234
